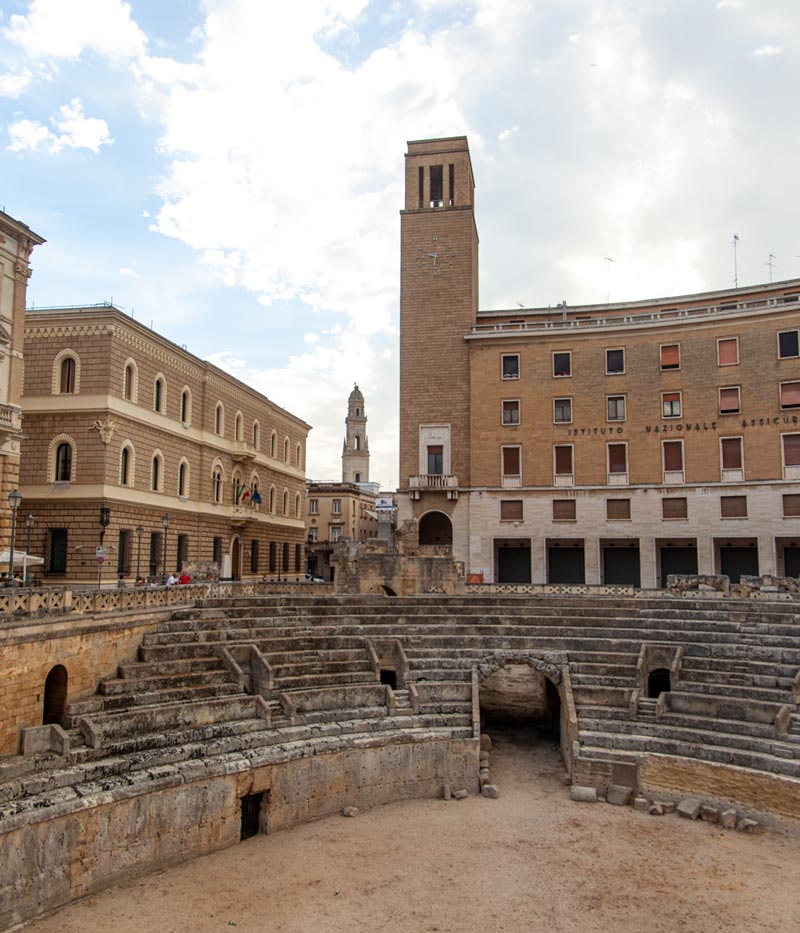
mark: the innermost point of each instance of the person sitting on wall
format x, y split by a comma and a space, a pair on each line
172, 579
140, 581
184, 578
121, 582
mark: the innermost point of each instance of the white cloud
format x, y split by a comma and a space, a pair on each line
768, 51
129, 272
71, 130
57, 29
13, 83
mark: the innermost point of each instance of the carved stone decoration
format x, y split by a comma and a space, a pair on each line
549, 664
105, 429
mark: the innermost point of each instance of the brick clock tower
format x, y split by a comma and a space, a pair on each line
355, 451
438, 306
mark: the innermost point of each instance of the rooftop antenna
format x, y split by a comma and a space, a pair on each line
771, 263
735, 264
608, 260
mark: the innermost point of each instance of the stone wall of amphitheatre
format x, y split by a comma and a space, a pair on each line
132, 831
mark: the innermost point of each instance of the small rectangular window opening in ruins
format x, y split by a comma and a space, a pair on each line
251, 812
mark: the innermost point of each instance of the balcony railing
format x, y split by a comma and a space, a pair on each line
433, 481
243, 451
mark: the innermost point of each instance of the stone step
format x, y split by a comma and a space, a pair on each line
308, 668
718, 706
149, 683
136, 669
120, 702
301, 681
748, 692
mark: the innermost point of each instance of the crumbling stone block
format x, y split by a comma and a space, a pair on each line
727, 819
689, 808
655, 809
486, 742
746, 825
460, 794
709, 814
446, 794
583, 794
618, 795
641, 804
350, 811
490, 790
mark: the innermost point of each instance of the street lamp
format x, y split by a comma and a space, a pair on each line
139, 533
14, 500
29, 521
165, 523
105, 521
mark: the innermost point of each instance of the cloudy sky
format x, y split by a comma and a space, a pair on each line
231, 170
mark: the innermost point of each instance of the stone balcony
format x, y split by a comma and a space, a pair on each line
243, 452
433, 482
10, 420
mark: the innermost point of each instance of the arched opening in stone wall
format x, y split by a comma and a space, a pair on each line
236, 559
436, 528
658, 682
55, 695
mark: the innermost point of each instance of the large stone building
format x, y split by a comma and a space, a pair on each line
134, 445
345, 509
16, 245
612, 443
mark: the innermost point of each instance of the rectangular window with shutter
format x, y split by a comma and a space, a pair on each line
791, 505
790, 395
618, 510
615, 408
511, 461
791, 449
729, 401
674, 508
733, 506
564, 510
563, 459
670, 404
509, 365
731, 453
511, 510
728, 351
562, 363
615, 362
671, 356
617, 458
562, 410
673, 456
788, 344
511, 411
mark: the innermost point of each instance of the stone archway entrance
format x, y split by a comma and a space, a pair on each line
55, 695
521, 695
436, 528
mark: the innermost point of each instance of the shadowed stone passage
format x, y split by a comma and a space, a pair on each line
658, 682
251, 813
55, 695
435, 528
517, 694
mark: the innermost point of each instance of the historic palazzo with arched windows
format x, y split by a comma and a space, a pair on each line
601, 444
192, 465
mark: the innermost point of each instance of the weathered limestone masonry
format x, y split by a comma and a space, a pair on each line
184, 811
89, 649
254, 712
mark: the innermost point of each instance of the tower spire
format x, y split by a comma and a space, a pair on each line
355, 450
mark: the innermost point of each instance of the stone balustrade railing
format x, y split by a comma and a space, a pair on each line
17, 601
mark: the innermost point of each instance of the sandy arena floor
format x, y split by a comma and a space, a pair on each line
530, 860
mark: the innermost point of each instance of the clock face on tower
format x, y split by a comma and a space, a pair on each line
435, 255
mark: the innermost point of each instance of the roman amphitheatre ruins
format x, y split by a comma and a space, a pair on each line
178, 723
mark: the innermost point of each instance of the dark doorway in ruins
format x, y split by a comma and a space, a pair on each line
518, 696
436, 528
658, 682
55, 695
251, 815
389, 678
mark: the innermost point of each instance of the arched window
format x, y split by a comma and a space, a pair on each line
358, 478
216, 485
238, 426
129, 383
219, 419
297, 505
156, 473
236, 488
159, 395
273, 445
183, 478
272, 499
286, 450
298, 452
186, 406
67, 376
125, 466
358, 442
285, 502
55, 695
256, 435
63, 472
